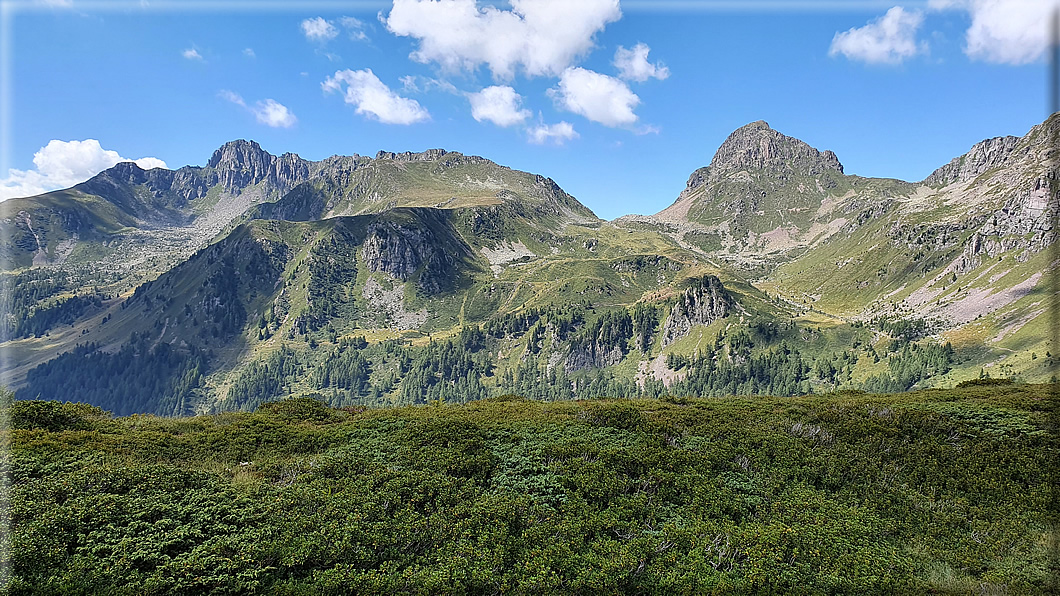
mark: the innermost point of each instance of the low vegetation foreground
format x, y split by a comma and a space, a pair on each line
936, 491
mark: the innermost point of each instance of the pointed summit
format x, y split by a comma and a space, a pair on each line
242, 163
756, 146
758, 180
240, 153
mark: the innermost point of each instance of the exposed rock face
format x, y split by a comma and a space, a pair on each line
394, 250
983, 156
758, 147
235, 166
970, 257
592, 355
239, 164
168, 190
409, 156
702, 303
1021, 218
401, 252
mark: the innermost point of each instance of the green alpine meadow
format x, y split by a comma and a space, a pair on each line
529, 297
429, 373
413, 277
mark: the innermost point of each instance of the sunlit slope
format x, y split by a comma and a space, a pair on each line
436, 178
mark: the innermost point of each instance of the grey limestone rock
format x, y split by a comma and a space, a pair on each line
983, 156
702, 303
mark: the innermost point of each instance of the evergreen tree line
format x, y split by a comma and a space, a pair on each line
756, 359
910, 365
30, 309
139, 377
266, 380
450, 370
332, 267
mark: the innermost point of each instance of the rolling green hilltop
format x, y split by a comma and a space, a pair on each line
413, 277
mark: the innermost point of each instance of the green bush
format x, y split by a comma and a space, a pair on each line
987, 382
55, 416
939, 491
300, 409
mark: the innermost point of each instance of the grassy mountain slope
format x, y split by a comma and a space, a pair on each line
422, 276
962, 253
435, 178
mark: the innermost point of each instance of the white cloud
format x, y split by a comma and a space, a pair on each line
596, 96
889, 39
191, 54
317, 29
232, 97
633, 64
543, 37
499, 105
267, 111
373, 98
272, 113
557, 133
249, 53
62, 164
408, 83
1004, 31
355, 27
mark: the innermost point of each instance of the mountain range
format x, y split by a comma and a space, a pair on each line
410, 277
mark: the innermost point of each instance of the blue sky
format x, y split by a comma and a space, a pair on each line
895, 90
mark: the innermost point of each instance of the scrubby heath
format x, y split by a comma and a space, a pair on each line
934, 491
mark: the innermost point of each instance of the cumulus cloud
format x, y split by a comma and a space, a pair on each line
317, 29
543, 37
267, 111
62, 164
361, 88
596, 96
273, 113
191, 54
499, 105
633, 64
1004, 31
557, 133
889, 39
249, 53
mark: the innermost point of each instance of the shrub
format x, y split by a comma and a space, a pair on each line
300, 409
55, 416
987, 382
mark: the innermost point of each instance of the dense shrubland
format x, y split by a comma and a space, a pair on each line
945, 491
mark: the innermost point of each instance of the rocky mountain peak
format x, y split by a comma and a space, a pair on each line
241, 163
756, 146
409, 156
240, 154
126, 171
983, 156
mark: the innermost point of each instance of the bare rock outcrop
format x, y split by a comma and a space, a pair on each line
702, 303
983, 156
239, 164
401, 252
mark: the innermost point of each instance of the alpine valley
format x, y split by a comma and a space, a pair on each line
415, 277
